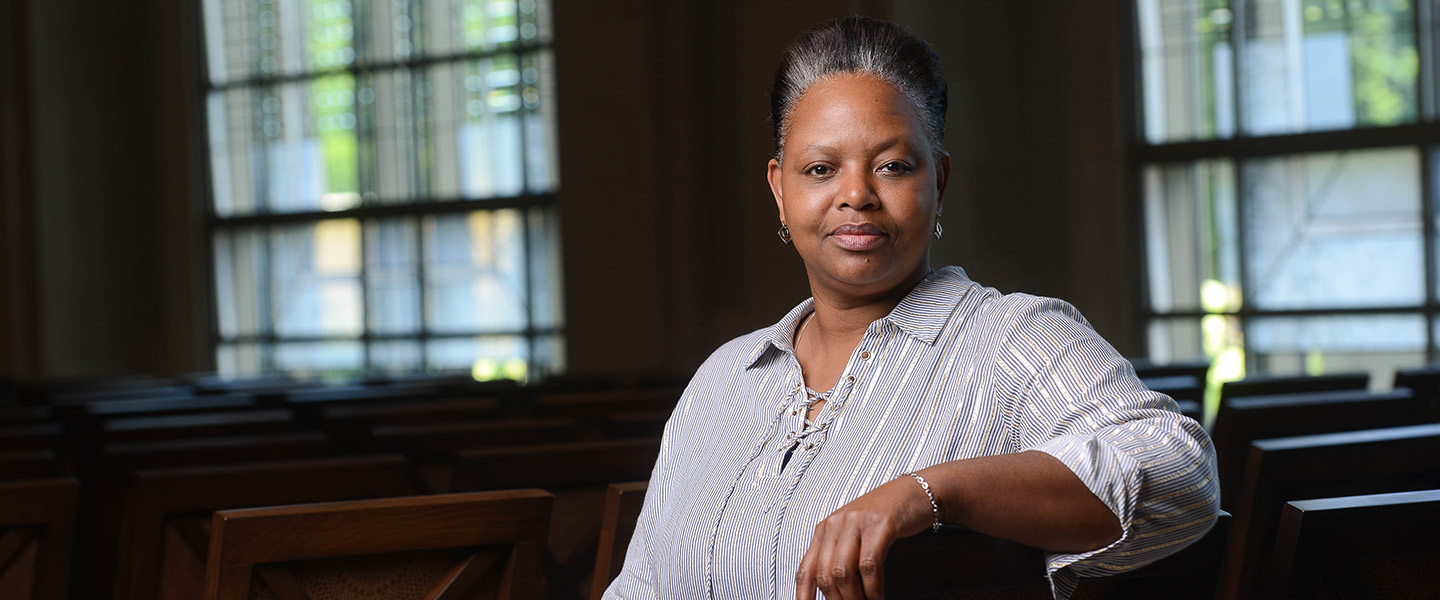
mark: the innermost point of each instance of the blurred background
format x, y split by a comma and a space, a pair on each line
518, 189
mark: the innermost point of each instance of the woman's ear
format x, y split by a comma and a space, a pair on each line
773, 176
942, 178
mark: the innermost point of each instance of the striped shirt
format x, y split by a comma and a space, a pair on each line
955, 371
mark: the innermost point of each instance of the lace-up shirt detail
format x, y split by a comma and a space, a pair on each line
955, 371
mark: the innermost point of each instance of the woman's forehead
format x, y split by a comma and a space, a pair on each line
855, 108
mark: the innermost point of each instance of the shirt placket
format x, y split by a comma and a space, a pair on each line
812, 441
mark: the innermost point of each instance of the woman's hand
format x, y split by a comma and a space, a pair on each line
846, 558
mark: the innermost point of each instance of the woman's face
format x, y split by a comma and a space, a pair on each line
861, 187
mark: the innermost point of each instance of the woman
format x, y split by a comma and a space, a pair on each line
899, 398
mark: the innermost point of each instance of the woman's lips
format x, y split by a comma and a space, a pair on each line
857, 236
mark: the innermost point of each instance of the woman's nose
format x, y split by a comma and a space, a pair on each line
857, 191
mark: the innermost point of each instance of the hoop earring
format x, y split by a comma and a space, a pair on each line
784, 232
939, 231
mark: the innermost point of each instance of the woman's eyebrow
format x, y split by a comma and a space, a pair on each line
874, 148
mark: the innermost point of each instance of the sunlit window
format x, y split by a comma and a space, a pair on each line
382, 177
1288, 167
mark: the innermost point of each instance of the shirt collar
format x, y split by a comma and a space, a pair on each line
921, 314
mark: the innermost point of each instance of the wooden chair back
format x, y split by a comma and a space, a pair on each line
635, 424
623, 502
1145, 369
20, 415
31, 436
1243, 420
596, 405
1425, 382
164, 528
354, 422
200, 425
106, 480
1318, 466
28, 464
431, 440
37, 522
578, 474
1264, 385
156, 407
478, 545
1372, 546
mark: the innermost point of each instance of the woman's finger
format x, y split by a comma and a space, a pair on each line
843, 563
805, 581
873, 550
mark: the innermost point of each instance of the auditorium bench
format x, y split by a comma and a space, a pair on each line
37, 522
578, 474
484, 544
163, 534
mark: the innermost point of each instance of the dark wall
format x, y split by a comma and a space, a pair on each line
668, 225
670, 242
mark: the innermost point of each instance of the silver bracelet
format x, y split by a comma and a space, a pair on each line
934, 507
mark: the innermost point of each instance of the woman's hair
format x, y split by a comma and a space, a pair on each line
860, 45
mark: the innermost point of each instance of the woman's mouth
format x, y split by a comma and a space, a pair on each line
857, 236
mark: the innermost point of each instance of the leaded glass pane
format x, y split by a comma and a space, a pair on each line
1187, 69
1336, 343
1325, 64
392, 276
315, 279
1191, 236
474, 273
1334, 230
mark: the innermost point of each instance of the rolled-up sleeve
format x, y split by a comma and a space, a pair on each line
1081, 402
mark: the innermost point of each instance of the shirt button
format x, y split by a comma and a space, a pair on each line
850, 379
865, 355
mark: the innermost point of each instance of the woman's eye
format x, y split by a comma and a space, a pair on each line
818, 170
895, 166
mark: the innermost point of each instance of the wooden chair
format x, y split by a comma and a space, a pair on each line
1425, 382
28, 464
1273, 385
24, 415
429, 446
1304, 467
579, 474
31, 436
456, 546
623, 502
164, 529
634, 424
37, 522
960, 563
310, 404
155, 407
596, 405
203, 425
107, 477
1243, 420
354, 422
1372, 546
1145, 369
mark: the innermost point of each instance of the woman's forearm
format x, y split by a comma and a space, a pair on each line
1029, 497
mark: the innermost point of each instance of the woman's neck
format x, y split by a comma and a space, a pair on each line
841, 317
